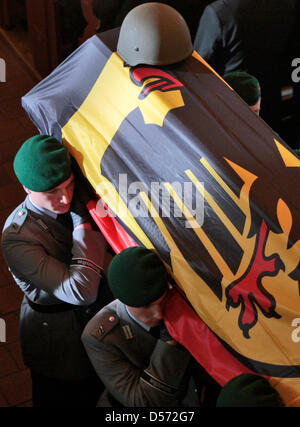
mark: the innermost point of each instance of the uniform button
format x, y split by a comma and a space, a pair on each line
88, 310
111, 318
21, 212
45, 324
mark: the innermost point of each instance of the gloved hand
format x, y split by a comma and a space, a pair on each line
83, 189
78, 211
164, 333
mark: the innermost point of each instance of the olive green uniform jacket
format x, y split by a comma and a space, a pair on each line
137, 368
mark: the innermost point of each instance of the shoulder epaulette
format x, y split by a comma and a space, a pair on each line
18, 220
107, 322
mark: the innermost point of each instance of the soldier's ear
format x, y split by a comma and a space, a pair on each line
26, 190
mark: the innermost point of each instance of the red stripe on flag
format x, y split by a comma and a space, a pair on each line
186, 327
183, 323
113, 232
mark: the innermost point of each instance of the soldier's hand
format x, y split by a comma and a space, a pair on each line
78, 211
165, 336
83, 189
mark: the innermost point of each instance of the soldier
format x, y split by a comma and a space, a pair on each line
242, 35
128, 344
58, 266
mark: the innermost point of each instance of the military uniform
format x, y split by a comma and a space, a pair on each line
242, 35
137, 368
59, 271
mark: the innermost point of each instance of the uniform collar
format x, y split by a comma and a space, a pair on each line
33, 206
137, 321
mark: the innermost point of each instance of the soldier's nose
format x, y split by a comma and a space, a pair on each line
66, 197
158, 314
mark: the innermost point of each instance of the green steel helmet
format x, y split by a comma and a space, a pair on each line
154, 34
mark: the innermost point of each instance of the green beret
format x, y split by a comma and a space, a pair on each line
245, 85
248, 390
137, 277
42, 163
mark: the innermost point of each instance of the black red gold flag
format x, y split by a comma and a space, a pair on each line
182, 165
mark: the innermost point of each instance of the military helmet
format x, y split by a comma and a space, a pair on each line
154, 34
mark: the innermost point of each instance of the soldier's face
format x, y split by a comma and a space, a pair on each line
152, 314
57, 200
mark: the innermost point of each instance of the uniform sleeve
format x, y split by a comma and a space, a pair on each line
161, 383
208, 39
76, 283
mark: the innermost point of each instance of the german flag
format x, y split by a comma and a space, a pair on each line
182, 165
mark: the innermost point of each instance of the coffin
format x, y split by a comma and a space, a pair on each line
182, 165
